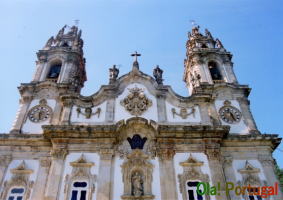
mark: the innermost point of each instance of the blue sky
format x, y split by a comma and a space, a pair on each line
113, 29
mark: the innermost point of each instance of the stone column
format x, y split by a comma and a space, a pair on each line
55, 174
167, 175
267, 163
67, 108
230, 175
246, 112
216, 170
42, 174
104, 181
21, 114
4, 163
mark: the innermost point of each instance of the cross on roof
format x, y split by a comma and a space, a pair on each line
136, 54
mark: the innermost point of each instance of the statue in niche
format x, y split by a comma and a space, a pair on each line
113, 74
157, 73
137, 184
88, 112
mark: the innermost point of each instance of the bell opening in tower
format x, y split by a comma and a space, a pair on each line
214, 72
54, 72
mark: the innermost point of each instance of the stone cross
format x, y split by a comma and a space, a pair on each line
136, 54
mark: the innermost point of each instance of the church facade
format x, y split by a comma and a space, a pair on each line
135, 138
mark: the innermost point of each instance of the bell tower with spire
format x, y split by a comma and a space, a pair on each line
207, 61
61, 60
60, 69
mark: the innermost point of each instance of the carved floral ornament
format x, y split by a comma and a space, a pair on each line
20, 179
81, 171
136, 103
88, 112
191, 171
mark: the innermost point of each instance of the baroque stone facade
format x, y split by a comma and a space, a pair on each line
135, 138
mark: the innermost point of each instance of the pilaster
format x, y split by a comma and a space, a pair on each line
21, 114
105, 174
110, 110
67, 108
167, 174
216, 170
39, 186
161, 108
4, 163
267, 163
55, 173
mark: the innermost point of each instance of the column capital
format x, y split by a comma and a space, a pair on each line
213, 154
227, 161
106, 154
5, 160
59, 153
266, 160
166, 154
45, 162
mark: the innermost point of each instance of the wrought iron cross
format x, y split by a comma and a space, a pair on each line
136, 54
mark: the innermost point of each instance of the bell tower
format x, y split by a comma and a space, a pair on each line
61, 60
207, 61
60, 69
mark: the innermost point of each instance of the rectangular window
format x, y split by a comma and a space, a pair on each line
192, 191
79, 191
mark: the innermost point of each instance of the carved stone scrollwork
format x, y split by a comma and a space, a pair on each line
191, 171
137, 176
88, 113
136, 102
20, 179
213, 154
80, 172
59, 153
184, 112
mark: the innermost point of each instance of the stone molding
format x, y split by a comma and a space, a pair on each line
20, 179
191, 171
81, 171
5, 160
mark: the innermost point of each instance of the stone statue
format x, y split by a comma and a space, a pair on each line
113, 74
61, 32
218, 44
137, 185
49, 42
208, 34
157, 73
195, 31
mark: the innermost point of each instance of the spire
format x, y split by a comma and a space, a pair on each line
67, 37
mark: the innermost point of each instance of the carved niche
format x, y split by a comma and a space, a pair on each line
191, 171
137, 176
80, 172
250, 176
136, 102
20, 179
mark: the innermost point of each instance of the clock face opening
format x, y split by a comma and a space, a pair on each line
230, 114
39, 113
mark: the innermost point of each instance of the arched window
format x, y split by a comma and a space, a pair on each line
192, 191
54, 71
16, 194
79, 190
214, 71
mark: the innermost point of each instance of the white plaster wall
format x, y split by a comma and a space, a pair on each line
193, 118
90, 157
118, 185
181, 157
30, 164
31, 127
121, 113
82, 120
240, 164
240, 127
